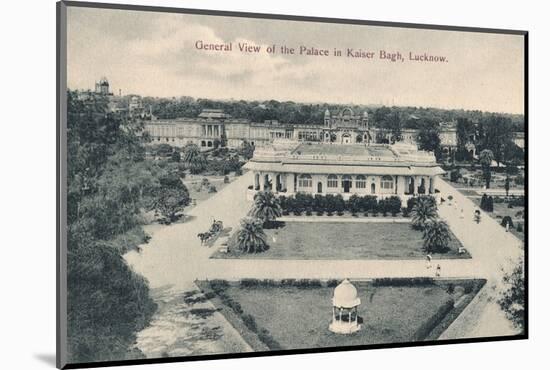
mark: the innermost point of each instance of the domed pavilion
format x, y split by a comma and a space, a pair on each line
344, 309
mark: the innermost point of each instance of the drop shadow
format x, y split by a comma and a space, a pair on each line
47, 358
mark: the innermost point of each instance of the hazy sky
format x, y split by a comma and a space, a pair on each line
154, 54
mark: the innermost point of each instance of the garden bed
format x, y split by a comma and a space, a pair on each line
343, 241
292, 314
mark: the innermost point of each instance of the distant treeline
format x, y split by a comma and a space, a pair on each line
302, 113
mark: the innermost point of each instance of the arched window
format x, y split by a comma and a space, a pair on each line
304, 181
373, 188
360, 182
332, 181
387, 182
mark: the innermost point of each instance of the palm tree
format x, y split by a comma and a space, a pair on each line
193, 159
423, 211
267, 207
436, 237
251, 237
486, 157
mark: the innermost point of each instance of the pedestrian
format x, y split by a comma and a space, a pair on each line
456, 205
462, 213
438, 271
428, 261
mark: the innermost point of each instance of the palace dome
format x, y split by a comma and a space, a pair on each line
345, 295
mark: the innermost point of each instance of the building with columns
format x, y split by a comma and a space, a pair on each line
213, 127
288, 167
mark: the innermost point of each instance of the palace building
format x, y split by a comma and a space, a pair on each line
288, 167
213, 127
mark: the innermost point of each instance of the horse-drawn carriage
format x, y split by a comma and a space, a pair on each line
215, 229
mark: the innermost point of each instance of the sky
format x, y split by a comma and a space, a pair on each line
155, 54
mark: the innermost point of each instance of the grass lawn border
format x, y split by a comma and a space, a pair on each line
234, 253
260, 339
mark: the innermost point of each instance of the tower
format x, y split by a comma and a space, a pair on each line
365, 120
102, 87
327, 119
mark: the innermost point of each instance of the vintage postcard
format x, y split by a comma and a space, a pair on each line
234, 184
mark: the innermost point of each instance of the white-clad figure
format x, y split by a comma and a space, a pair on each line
428, 261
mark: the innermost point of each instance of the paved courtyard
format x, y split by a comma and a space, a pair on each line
174, 257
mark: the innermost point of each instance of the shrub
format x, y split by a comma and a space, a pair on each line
340, 213
507, 220
320, 213
226, 180
332, 283
393, 204
249, 322
238, 172
250, 283
212, 189
268, 340
519, 228
403, 281
455, 175
308, 212
432, 323
218, 285
288, 282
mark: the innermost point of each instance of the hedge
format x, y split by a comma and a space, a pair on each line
403, 281
426, 328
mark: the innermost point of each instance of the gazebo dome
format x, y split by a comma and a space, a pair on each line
327, 113
345, 295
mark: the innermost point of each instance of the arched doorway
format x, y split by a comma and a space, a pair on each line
373, 188
319, 187
346, 139
346, 183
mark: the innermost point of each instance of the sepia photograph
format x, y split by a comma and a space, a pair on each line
238, 184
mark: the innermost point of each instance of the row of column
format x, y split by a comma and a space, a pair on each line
289, 181
211, 130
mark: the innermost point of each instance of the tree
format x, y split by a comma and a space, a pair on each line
423, 212
436, 237
251, 237
394, 124
496, 135
171, 198
428, 139
194, 159
266, 207
486, 157
247, 150
176, 156
507, 184
512, 299
107, 185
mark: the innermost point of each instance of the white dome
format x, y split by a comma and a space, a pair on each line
345, 295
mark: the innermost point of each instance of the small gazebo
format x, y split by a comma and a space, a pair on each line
344, 309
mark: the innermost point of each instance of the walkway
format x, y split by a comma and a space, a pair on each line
174, 257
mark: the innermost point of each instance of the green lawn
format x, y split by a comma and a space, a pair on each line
343, 241
299, 317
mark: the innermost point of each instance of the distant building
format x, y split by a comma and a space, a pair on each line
102, 87
213, 125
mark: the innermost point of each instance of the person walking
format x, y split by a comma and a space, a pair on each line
438, 271
428, 261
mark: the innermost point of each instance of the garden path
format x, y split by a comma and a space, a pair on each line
174, 257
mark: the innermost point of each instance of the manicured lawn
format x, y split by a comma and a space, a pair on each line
342, 241
297, 317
